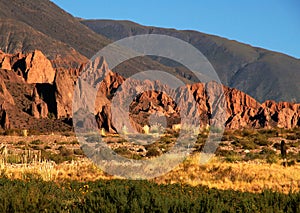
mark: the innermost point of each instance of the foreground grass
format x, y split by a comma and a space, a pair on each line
253, 176
135, 196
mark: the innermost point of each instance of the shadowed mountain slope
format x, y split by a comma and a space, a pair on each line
47, 18
19, 37
258, 72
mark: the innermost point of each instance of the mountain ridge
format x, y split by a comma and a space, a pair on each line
54, 96
48, 49
46, 17
234, 62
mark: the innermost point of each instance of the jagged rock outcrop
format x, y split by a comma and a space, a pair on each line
34, 67
38, 69
241, 110
38, 109
104, 120
64, 89
286, 115
5, 61
4, 121
5, 96
234, 109
150, 99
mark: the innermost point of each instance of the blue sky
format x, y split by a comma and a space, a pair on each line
271, 24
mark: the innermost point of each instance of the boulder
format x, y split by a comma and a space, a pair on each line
38, 109
5, 96
64, 89
35, 67
4, 120
38, 68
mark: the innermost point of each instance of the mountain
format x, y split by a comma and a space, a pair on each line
43, 50
32, 92
263, 74
188, 103
19, 37
28, 25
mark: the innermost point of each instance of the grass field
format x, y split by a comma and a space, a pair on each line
256, 180
242, 176
36, 195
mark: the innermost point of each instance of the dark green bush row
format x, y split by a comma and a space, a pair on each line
135, 196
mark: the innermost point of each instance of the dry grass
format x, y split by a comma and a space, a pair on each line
242, 176
252, 176
80, 170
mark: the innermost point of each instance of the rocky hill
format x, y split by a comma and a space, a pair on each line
44, 49
33, 91
27, 25
240, 109
48, 20
263, 74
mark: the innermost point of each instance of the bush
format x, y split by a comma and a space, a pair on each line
292, 137
78, 152
251, 156
65, 152
246, 143
271, 159
230, 156
135, 196
12, 132
152, 152
57, 158
36, 142
268, 132
21, 143
123, 151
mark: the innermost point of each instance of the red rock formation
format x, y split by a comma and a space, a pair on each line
4, 121
39, 108
199, 100
34, 66
64, 85
38, 68
5, 96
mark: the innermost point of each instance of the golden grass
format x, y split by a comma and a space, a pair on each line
80, 170
243, 176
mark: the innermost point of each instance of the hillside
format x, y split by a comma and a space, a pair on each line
28, 25
45, 19
32, 90
43, 50
20, 37
263, 74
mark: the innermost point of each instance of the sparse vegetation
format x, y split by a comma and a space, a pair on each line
60, 159
135, 196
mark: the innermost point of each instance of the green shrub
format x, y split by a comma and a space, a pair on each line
35, 195
271, 159
268, 132
57, 158
21, 143
123, 151
261, 140
78, 152
36, 142
152, 152
252, 156
247, 143
291, 137
65, 152
47, 147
